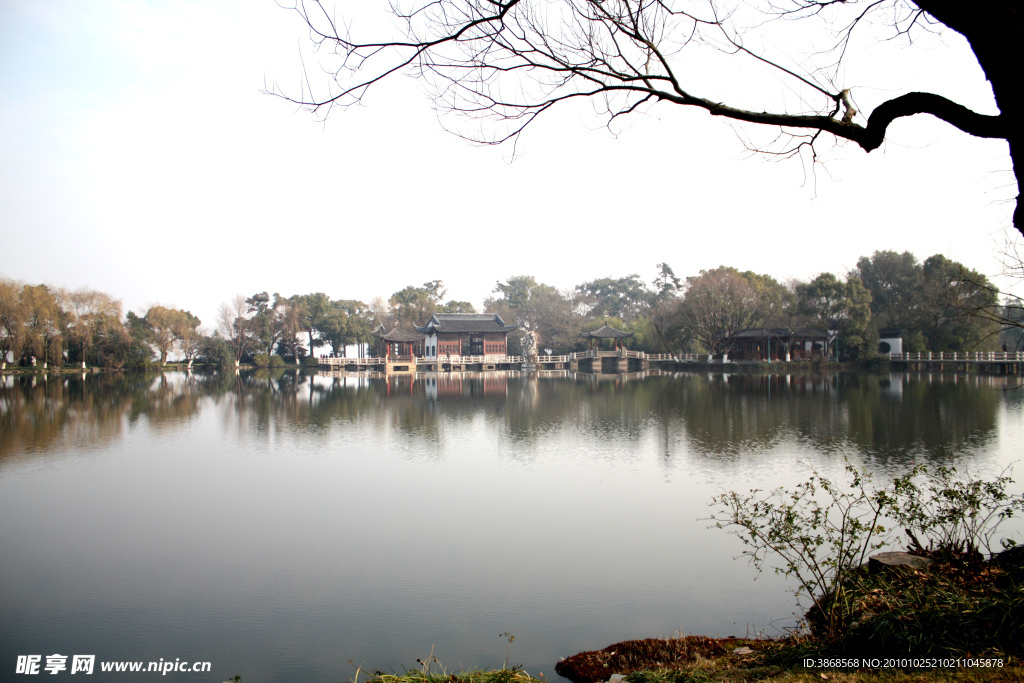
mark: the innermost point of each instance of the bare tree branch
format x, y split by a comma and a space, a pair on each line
506, 62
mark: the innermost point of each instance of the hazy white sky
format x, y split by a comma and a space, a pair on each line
139, 158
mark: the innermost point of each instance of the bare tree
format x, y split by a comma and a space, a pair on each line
93, 324
233, 322
720, 303
509, 61
13, 316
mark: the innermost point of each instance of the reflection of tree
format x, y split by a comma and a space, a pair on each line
39, 414
618, 406
281, 399
891, 419
730, 414
929, 418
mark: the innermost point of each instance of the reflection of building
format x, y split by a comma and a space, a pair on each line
399, 349
466, 385
778, 343
464, 334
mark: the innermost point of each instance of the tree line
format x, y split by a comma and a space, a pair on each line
937, 305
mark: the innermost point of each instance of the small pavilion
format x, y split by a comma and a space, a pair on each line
605, 332
398, 342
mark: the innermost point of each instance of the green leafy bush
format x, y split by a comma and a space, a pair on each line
956, 514
821, 532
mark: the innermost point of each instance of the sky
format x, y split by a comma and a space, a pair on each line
139, 157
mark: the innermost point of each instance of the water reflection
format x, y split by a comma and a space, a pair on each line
890, 419
281, 523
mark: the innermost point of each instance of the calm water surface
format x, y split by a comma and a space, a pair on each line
288, 527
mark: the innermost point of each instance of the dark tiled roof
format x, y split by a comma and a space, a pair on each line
812, 333
606, 332
762, 332
398, 335
780, 333
465, 322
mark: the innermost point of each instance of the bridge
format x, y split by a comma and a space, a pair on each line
998, 362
626, 360
592, 360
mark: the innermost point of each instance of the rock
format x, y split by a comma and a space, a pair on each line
595, 666
882, 561
1012, 558
740, 651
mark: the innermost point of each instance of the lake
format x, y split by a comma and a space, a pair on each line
291, 527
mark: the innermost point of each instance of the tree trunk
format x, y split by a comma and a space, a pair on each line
995, 32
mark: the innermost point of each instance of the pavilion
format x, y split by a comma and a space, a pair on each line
399, 343
605, 332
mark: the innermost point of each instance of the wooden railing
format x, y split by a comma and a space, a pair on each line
473, 360
924, 356
678, 357
959, 357
351, 361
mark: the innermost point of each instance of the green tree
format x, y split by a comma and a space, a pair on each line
955, 301
347, 322
164, 323
895, 282
137, 352
838, 307
822, 301
414, 305
625, 298
666, 284
292, 325
1011, 319
189, 336
457, 307
214, 350
555, 317
312, 311
664, 311
265, 320
860, 338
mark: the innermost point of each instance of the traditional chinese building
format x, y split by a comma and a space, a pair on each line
772, 344
617, 337
465, 334
399, 343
